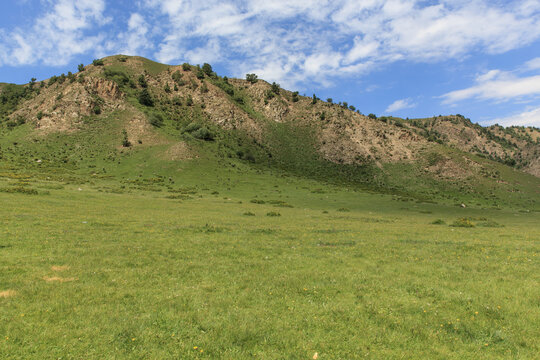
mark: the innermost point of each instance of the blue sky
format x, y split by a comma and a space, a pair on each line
408, 58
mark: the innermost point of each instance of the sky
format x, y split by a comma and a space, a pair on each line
407, 58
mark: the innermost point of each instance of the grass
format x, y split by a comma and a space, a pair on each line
95, 274
256, 250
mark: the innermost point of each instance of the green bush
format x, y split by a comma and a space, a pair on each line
80, 67
438, 222
207, 69
186, 67
192, 127
466, 223
252, 78
203, 134
273, 213
98, 62
125, 140
156, 120
145, 98
142, 81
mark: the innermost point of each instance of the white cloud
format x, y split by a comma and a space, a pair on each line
399, 105
56, 36
285, 41
533, 64
321, 40
530, 117
499, 86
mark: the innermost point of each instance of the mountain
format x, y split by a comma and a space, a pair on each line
127, 116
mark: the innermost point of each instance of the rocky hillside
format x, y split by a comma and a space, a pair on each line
253, 120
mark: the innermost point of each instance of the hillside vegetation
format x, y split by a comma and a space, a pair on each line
155, 212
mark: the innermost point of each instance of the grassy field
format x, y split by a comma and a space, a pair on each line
239, 264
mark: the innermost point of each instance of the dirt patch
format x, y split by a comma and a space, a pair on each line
7, 293
179, 151
59, 267
58, 279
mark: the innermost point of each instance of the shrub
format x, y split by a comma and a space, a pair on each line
314, 100
142, 81
145, 98
189, 101
257, 201
273, 213
343, 210
186, 67
372, 116
125, 140
97, 62
80, 67
204, 88
252, 78
122, 59
167, 88
295, 97
200, 74
466, 223
177, 77
117, 76
156, 120
192, 127
203, 134
207, 69
249, 213
329, 100
97, 109
275, 88
39, 115
438, 222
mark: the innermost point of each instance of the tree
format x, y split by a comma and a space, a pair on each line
295, 97
207, 69
329, 100
275, 88
372, 116
252, 78
145, 98
80, 67
314, 101
186, 67
200, 74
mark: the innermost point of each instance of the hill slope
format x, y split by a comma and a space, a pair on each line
128, 116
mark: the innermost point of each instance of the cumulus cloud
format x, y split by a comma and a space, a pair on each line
399, 105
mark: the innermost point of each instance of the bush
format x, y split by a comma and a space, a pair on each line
249, 213
200, 74
207, 69
117, 76
273, 213
372, 116
39, 115
329, 100
125, 140
314, 100
189, 101
295, 97
466, 223
252, 78
192, 127
98, 62
145, 98
80, 67
275, 88
203, 134
438, 222
142, 81
156, 120
167, 88
186, 67
97, 109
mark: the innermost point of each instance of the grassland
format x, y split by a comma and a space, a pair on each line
193, 267
242, 249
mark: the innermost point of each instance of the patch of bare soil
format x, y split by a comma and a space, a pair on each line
57, 279
7, 293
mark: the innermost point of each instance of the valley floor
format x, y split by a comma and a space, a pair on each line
260, 267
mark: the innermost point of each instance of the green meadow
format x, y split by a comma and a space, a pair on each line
242, 263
